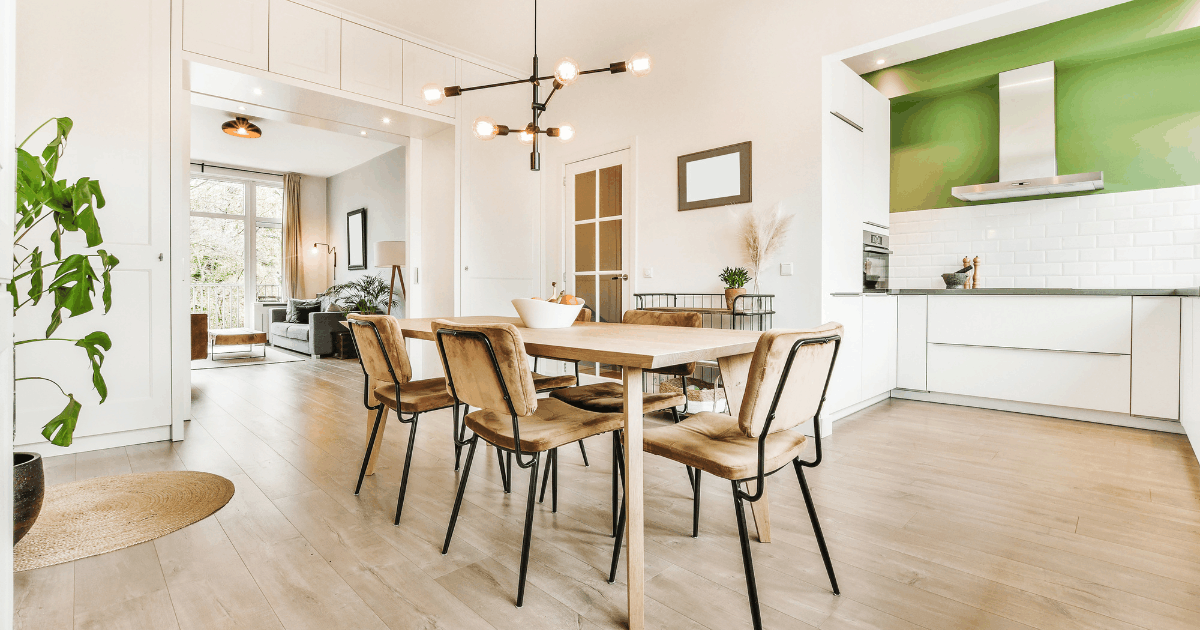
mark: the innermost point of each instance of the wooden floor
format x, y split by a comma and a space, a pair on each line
936, 517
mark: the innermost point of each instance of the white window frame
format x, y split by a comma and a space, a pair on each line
251, 221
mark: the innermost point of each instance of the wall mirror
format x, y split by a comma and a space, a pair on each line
717, 177
356, 238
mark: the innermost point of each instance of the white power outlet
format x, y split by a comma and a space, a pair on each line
648, 272
785, 269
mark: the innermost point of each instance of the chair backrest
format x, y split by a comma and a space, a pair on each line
801, 393
585, 315
472, 374
685, 319
368, 331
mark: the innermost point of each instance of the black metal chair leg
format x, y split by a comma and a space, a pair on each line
508, 467
462, 487
747, 562
616, 559
503, 472
456, 433
696, 506
615, 497
362, 472
546, 476
583, 451
812, 515
412, 439
528, 530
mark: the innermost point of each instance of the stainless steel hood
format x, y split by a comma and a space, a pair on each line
1028, 164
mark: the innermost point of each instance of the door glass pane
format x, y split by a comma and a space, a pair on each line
610, 245
610, 191
268, 257
268, 202
585, 288
218, 267
608, 304
585, 247
585, 196
214, 195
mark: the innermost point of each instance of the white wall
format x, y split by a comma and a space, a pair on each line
743, 71
1141, 240
8, 39
378, 186
437, 264
314, 220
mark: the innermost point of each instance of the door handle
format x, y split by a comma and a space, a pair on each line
623, 276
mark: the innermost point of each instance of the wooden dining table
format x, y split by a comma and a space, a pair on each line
634, 348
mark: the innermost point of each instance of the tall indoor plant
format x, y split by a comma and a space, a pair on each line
71, 279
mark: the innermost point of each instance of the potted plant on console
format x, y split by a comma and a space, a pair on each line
735, 279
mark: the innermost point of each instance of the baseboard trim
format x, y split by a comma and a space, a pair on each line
855, 408
1035, 409
97, 442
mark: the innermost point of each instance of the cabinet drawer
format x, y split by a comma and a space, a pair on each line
1066, 379
1044, 322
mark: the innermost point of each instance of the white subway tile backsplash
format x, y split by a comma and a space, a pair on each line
1138, 239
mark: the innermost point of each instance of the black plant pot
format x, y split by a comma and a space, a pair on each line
29, 487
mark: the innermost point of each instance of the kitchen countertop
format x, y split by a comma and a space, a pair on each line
1189, 292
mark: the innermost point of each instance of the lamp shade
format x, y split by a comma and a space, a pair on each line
389, 253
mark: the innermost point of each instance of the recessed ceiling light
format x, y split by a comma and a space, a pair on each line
881, 61
387, 120
258, 91
241, 108
363, 133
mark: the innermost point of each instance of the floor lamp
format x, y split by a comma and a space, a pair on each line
392, 254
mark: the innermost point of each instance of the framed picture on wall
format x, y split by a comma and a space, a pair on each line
356, 239
717, 177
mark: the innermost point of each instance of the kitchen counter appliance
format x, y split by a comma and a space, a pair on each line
876, 257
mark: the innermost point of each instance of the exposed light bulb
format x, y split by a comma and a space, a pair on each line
639, 64
485, 128
433, 93
566, 133
525, 136
314, 249
566, 71
241, 131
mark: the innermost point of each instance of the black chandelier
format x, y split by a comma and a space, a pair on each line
566, 72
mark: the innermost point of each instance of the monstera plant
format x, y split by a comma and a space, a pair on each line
47, 209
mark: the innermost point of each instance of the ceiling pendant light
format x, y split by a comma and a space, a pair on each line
566, 72
241, 128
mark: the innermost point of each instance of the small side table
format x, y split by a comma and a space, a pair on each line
343, 345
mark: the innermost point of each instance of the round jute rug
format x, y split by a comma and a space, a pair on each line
94, 516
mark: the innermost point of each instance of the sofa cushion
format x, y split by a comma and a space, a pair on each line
298, 332
279, 329
299, 310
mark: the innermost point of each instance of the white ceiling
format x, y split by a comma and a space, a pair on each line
283, 147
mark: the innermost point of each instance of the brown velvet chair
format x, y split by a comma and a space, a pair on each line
384, 361
486, 367
785, 387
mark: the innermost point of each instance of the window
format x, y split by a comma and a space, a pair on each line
236, 226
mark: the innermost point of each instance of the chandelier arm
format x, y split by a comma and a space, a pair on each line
550, 96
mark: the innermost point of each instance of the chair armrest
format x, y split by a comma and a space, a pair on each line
322, 326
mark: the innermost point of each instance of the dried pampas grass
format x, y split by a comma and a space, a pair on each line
763, 236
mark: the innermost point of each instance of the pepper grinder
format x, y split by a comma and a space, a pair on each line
969, 284
976, 279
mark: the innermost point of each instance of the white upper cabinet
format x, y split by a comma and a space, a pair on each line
305, 43
372, 63
847, 96
233, 30
423, 66
843, 215
877, 157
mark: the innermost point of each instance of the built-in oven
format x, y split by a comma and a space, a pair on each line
875, 261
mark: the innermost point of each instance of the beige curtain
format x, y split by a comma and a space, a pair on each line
293, 263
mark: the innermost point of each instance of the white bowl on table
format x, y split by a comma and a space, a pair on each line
544, 314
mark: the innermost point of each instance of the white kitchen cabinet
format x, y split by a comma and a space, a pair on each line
209, 30
842, 209
879, 344
1154, 390
845, 386
1047, 322
911, 341
1189, 371
846, 97
372, 63
305, 43
1081, 380
877, 158
423, 66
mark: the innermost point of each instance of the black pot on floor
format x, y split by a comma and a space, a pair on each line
29, 487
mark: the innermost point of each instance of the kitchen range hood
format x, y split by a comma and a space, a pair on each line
1028, 164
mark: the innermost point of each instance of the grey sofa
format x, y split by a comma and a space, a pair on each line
314, 338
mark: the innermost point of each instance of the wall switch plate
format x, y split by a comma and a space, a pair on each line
785, 269
648, 272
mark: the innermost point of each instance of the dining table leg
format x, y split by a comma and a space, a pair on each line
735, 373
635, 556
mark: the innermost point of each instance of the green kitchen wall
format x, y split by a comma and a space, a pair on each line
1127, 103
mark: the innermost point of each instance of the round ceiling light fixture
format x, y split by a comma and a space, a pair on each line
241, 128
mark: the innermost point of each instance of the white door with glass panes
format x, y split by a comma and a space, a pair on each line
236, 248
598, 248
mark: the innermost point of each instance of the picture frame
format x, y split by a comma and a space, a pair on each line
716, 177
356, 239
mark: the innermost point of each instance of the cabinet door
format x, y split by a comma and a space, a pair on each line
843, 209
372, 63
423, 66
1155, 383
877, 157
911, 319
305, 43
878, 345
208, 30
847, 97
845, 387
